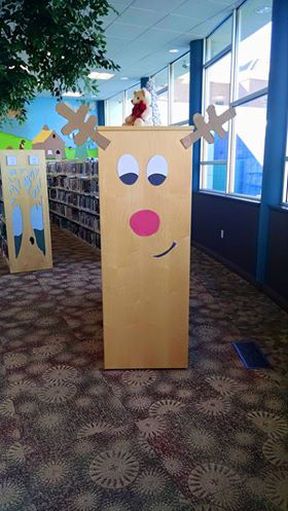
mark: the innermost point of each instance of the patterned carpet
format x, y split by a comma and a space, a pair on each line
75, 438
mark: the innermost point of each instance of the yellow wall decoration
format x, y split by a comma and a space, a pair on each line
26, 212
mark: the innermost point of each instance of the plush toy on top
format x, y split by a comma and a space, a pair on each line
141, 111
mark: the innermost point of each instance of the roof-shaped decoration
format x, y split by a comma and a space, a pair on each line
42, 135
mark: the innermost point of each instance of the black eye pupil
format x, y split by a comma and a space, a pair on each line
156, 179
129, 178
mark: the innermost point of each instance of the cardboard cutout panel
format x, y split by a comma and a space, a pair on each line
26, 209
145, 209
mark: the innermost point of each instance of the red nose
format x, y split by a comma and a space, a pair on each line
144, 222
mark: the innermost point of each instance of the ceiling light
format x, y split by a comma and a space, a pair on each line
96, 75
124, 78
263, 10
72, 94
173, 50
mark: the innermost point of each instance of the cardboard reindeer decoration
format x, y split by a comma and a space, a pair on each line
145, 210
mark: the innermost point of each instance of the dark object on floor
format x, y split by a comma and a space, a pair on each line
251, 355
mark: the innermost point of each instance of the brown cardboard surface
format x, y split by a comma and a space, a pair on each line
145, 299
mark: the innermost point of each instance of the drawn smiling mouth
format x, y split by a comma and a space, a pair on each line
166, 251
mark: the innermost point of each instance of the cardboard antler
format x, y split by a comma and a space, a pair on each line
76, 121
203, 129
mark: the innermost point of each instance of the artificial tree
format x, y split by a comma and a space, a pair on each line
49, 45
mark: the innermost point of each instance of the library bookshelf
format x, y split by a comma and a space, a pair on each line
74, 198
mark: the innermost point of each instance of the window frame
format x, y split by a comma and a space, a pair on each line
234, 102
170, 89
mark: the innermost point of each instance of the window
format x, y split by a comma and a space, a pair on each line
214, 156
161, 86
254, 28
249, 147
238, 76
180, 78
219, 40
115, 110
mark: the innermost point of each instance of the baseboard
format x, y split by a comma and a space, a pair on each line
280, 300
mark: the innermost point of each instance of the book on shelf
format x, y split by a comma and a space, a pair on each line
93, 238
80, 184
82, 217
85, 202
74, 198
89, 167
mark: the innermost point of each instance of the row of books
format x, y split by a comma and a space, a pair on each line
88, 168
93, 238
87, 202
83, 218
82, 184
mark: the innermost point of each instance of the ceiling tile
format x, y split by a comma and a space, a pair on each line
198, 9
140, 17
164, 6
109, 19
124, 30
120, 5
156, 38
176, 23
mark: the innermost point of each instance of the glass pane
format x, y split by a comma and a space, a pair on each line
161, 86
219, 40
254, 46
217, 93
214, 177
115, 110
161, 80
163, 108
180, 88
250, 128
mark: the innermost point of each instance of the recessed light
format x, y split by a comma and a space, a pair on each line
72, 94
263, 10
96, 75
124, 78
173, 50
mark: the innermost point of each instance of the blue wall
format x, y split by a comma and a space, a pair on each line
42, 111
238, 219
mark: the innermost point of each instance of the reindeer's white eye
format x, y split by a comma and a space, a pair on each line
157, 170
128, 169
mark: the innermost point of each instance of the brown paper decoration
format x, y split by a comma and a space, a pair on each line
76, 122
203, 128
